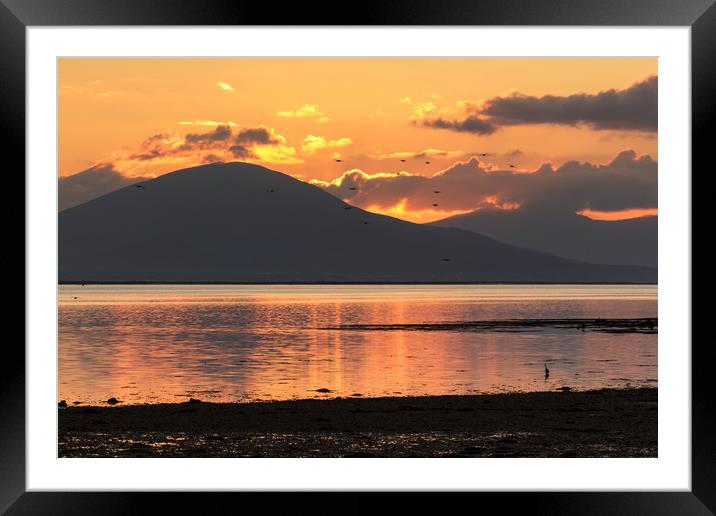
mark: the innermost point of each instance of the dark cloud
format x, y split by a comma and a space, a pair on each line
90, 184
217, 141
219, 134
626, 182
471, 124
632, 109
247, 138
257, 135
241, 151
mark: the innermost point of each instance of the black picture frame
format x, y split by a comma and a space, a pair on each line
17, 15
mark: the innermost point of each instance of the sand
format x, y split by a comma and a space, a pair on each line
602, 423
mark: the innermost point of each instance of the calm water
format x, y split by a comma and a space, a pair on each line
150, 344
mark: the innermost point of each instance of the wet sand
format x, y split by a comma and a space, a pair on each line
602, 423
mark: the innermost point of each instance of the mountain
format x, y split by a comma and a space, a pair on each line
238, 222
627, 242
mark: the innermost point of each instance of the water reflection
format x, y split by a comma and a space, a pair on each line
226, 343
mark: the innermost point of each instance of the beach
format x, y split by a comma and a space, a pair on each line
592, 423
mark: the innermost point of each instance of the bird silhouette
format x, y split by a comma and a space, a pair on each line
446, 259
546, 371
402, 161
139, 186
427, 163
347, 207
339, 161
435, 205
353, 188
436, 191
511, 165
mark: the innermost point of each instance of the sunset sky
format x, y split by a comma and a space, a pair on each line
123, 120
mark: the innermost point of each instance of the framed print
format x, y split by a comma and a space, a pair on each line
432, 250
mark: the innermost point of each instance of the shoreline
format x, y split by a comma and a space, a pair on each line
598, 423
278, 283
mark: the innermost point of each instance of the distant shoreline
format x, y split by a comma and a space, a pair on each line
599, 423
278, 283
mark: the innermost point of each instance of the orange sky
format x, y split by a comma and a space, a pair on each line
368, 112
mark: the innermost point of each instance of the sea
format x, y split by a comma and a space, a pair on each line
226, 343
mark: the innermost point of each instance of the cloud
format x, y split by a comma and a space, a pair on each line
627, 182
305, 111
311, 143
631, 109
90, 184
221, 133
404, 100
260, 143
225, 86
261, 135
471, 124
223, 143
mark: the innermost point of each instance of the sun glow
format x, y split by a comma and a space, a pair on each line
619, 215
418, 216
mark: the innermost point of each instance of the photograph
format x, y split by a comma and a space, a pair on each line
340, 257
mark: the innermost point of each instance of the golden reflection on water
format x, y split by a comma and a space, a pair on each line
165, 343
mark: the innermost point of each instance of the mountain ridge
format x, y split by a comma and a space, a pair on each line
566, 234
243, 223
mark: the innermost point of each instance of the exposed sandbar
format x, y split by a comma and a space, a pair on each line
640, 325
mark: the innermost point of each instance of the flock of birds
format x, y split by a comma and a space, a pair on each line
365, 222
403, 160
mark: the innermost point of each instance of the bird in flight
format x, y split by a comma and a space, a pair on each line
348, 208
139, 186
353, 188
402, 161
511, 165
339, 161
546, 371
446, 259
427, 163
434, 204
436, 191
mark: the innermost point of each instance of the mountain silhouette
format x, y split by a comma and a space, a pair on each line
567, 234
239, 222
